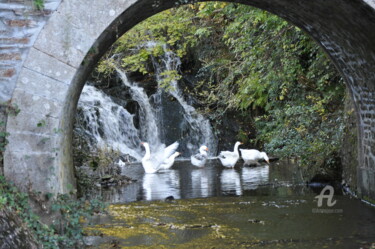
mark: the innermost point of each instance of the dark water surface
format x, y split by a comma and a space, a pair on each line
215, 207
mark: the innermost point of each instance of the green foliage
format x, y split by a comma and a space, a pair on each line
146, 41
18, 202
3, 139
41, 123
66, 231
250, 61
272, 67
73, 214
6, 108
38, 4
9, 108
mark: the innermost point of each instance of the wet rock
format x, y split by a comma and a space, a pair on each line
115, 180
169, 198
256, 221
14, 233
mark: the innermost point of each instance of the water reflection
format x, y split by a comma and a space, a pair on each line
202, 183
161, 185
230, 182
268, 199
184, 181
253, 177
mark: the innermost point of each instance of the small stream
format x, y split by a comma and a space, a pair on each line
214, 207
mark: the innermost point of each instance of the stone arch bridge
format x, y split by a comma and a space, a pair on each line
46, 56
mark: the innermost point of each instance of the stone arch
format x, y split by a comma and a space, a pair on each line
79, 32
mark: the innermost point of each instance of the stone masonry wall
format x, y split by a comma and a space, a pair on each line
20, 24
54, 57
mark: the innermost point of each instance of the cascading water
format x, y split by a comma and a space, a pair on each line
149, 125
160, 122
200, 128
108, 123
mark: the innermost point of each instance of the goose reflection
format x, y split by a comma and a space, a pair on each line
253, 177
161, 185
202, 182
230, 182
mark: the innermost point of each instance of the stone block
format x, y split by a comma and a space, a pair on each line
367, 183
20, 23
14, 40
18, 142
10, 57
31, 103
33, 123
49, 66
7, 72
34, 171
71, 31
6, 89
42, 85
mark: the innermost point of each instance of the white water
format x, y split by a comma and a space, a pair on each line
112, 126
201, 126
109, 123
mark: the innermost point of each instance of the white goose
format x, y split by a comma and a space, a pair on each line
152, 162
200, 158
253, 156
169, 161
230, 158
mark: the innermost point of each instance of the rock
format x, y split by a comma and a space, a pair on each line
256, 221
13, 233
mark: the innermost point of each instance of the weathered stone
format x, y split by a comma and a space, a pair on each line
27, 143
21, 23
34, 123
34, 171
81, 31
10, 56
15, 41
42, 85
349, 148
19, 27
13, 232
36, 104
8, 72
70, 36
39, 62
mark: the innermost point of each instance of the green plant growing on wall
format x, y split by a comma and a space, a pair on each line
6, 108
38, 4
66, 230
3, 140
41, 123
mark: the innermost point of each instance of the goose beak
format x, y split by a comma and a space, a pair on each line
206, 149
268, 161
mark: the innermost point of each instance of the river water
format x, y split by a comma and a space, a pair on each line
214, 207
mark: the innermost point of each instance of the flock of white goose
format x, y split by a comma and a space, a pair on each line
164, 159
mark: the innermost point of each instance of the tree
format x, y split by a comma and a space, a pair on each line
250, 61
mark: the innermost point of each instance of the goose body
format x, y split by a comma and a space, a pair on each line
252, 156
230, 158
152, 162
169, 161
200, 158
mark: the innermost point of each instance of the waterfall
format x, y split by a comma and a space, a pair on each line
160, 120
149, 123
109, 124
200, 126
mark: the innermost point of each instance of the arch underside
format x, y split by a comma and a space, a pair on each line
79, 33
